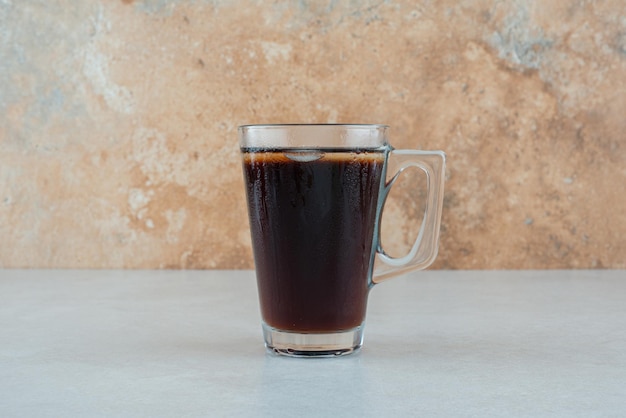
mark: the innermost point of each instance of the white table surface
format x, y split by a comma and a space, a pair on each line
188, 343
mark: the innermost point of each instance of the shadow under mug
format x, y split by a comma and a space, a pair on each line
315, 198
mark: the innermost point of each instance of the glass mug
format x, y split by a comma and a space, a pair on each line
315, 199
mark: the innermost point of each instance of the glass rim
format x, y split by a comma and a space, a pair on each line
313, 135
292, 125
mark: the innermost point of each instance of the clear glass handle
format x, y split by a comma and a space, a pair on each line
424, 250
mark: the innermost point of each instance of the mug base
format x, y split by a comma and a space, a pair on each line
297, 344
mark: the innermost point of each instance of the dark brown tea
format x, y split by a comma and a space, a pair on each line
312, 217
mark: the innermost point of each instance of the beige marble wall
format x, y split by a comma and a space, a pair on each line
118, 122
